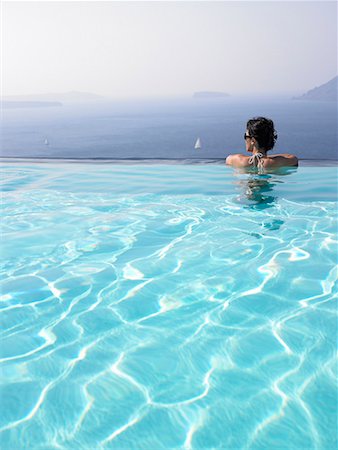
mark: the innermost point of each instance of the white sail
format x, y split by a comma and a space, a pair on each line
46, 142
198, 143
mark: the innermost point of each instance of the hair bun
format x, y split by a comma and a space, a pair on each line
263, 130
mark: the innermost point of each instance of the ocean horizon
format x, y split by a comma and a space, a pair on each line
166, 129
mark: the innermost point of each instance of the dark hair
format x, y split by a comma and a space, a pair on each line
263, 131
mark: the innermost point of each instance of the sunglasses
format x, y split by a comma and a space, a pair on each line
247, 136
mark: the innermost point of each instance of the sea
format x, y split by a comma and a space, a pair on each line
166, 129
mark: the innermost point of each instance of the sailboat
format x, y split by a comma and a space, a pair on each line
198, 144
46, 142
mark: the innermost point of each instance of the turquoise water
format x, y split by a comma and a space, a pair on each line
164, 306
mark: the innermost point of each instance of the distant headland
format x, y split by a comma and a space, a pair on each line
324, 92
210, 94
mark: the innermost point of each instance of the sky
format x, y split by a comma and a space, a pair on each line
167, 49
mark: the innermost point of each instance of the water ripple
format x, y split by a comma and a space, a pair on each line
167, 321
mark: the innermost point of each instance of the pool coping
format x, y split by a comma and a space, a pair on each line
151, 161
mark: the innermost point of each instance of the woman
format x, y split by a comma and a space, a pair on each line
260, 137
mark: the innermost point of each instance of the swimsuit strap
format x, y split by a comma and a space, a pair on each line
256, 160
258, 156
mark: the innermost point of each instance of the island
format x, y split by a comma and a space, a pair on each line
210, 94
57, 97
324, 92
27, 104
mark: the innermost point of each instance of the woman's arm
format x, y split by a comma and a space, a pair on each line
286, 159
228, 160
236, 160
292, 159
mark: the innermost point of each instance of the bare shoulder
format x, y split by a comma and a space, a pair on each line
284, 159
237, 160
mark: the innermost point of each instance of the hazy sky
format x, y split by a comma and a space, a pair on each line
128, 49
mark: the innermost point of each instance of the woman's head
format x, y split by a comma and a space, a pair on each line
262, 132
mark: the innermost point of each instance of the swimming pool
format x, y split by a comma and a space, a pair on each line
168, 306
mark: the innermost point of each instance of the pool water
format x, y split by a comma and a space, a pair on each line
166, 306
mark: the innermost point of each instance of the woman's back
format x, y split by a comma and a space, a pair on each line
266, 162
